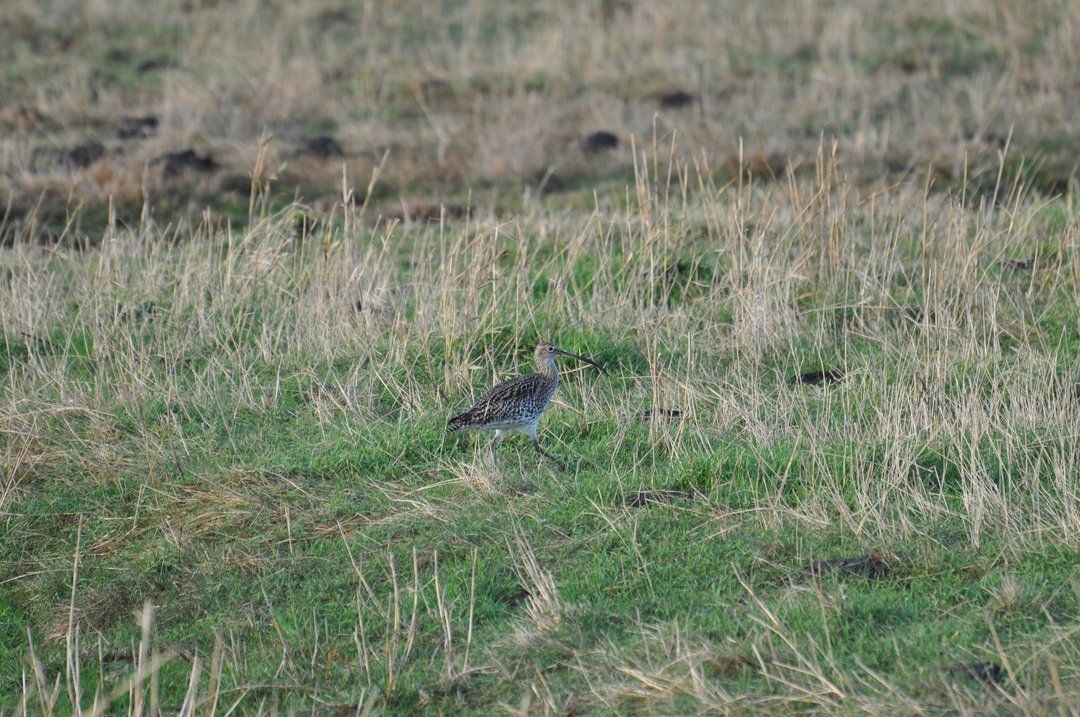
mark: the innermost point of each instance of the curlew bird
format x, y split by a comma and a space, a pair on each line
515, 406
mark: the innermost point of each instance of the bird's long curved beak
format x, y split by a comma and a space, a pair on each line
567, 354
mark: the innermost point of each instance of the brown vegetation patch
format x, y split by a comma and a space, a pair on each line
21, 118
211, 507
335, 529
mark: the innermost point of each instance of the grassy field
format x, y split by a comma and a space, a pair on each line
254, 254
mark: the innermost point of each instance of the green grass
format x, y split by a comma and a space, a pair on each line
217, 458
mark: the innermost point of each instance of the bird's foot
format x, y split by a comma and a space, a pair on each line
559, 465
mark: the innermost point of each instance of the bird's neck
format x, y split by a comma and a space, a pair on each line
546, 367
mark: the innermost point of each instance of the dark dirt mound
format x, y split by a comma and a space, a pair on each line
1020, 264
517, 598
155, 64
871, 566
137, 127
80, 156
176, 163
894, 165
988, 672
819, 376
600, 141
322, 147
676, 100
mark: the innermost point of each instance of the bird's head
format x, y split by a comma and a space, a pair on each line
549, 352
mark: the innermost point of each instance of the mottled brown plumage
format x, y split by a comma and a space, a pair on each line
515, 406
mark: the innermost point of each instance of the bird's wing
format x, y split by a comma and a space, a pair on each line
508, 390
498, 402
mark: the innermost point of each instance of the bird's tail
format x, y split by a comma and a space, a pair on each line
457, 423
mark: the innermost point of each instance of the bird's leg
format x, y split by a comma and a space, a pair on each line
495, 446
559, 464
